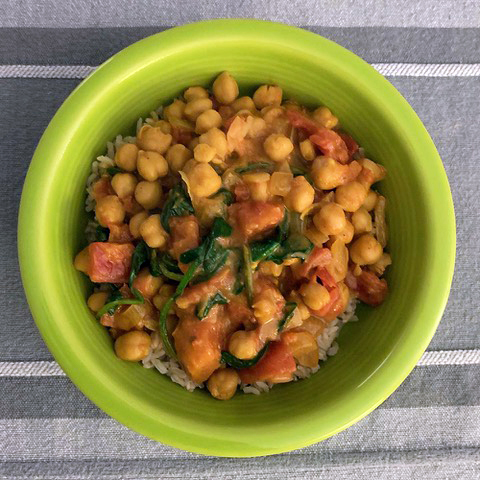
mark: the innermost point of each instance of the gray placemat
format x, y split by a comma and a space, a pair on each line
429, 428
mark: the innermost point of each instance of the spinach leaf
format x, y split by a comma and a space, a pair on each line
247, 270
162, 320
239, 285
261, 250
295, 246
204, 308
236, 362
284, 227
101, 234
114, 170
116, 299
178, 204
164, 264
210, 254
288, 311
297, 171
226, 194
139, 257
263, 166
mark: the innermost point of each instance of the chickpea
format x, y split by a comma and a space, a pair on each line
174, 110
133, 346
152, 138
264, 310
216, 139
366, 250
204, 180
330, 219
258, 185
164, 294
148, 194
381, 264
192, 93
97, 300
307, 150
177, 156
346, 235
135, 223
194, 108
124, 184
327, 173
152, 232
301, 307
222, 383
207, 120
316, 237
225, 88
204, 153
362, 221
314, 295
257, 127
370, 201
351, 196
280, 183
82, 261
300, 196
378, 171
272, 112
126, 157
243, 103
278, 147
163, 125
109, 209
243, 344
267, 95
270, 268
151, 165
325, 117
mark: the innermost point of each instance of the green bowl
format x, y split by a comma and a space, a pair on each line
376, 353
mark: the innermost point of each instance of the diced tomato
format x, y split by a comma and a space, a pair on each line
325, 310
366, 177
185, 234
300, 120
110, 262
371, 289
326, 278
319, 257
101, 188
241, 192
331, 144
120, 234
252, 218
276, 366
352, 145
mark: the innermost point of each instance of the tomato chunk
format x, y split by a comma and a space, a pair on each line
277, 366
331, 144
319, 257
110, 262
351, 144
371, 289
101, 188
252, 218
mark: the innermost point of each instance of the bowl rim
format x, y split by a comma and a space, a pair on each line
409, 350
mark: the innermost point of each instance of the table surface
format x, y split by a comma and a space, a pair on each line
430, 427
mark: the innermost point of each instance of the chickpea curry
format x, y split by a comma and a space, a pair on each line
236, 229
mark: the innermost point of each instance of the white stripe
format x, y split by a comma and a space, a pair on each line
387, 69
52, 369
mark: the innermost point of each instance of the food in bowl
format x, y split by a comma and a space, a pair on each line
232, 238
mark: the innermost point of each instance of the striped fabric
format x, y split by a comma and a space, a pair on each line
430, 427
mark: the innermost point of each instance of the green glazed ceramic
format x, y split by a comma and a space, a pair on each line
376, 353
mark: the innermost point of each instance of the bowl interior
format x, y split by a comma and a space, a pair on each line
375, 353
